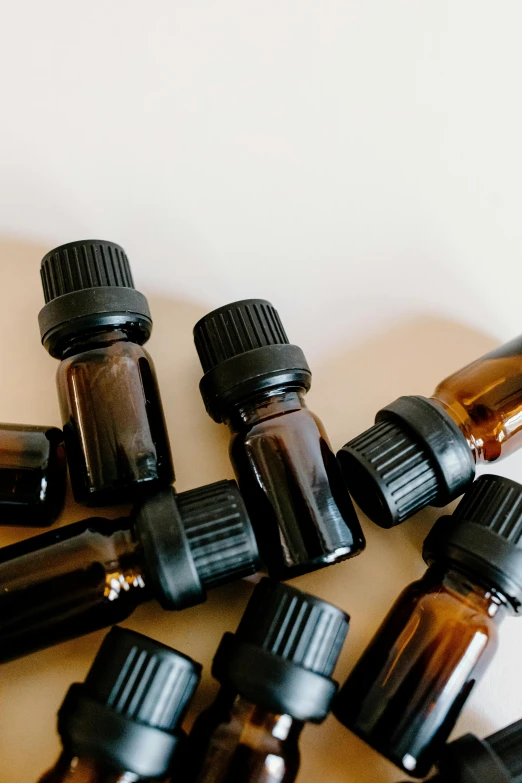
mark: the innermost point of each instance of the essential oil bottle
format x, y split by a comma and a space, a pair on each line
32, 475
94, 573
422, 452
123, 724
275, 674
96, 322
407, 690
256, 382
496, 759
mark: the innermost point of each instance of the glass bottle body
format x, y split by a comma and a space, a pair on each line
407, 690
74, 769
67, 583
32, 474
114, 427
485, 400
236, 741
292, 485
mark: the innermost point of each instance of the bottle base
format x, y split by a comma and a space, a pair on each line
283, 573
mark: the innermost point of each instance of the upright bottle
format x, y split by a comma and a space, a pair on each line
256, 382
123, 724
496, 759
275, 673
94, 573
422, 452
96, 322
32, 474
407, 690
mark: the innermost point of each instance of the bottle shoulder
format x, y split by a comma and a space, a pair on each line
117, 350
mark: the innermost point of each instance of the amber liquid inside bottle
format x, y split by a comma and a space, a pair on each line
114, 427
407, 690
292, 485
32, 474
236, 741
485, 400
68, 582
72, 769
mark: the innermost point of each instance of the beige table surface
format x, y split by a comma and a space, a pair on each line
358, 162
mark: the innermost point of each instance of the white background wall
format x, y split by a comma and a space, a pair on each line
358, 162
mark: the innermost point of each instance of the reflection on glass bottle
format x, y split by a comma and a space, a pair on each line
290, 480
407, 690
96, 323
423, 451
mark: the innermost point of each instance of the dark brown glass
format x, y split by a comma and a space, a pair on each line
292, 486
68, 582
236, 741
114, 427
485, 400
32, 474
72, 769
407, 690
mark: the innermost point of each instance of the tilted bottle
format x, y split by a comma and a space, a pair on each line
32, 474
496, 759
408, 688
422, 452
275, 674
123, 724
289, 478
94, 573
96, 322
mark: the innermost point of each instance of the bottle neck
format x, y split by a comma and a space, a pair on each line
460, 416
467, 588
83, 769
266, 405
96, 338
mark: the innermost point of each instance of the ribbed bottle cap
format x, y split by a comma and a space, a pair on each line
484, 535
129, 710
195, 540
284, 651
243, 348
90, 263
414, 456
88, 284
295, 626
219, 533
496, 759
142, 679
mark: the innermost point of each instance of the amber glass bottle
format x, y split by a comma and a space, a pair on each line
96, 323
496, 759
290, 480
275, 673
123, 724
94, 573
32, 474
423, 451
407, 690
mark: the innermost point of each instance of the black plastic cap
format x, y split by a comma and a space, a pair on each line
195, 540
129, 710
87, 285
414, 456
497, 759
243, 349
220, 536
484, 536
284, 651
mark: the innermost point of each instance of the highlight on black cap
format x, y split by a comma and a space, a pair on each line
284, 651
196, 540
128, 712
243, 348
414, 456
484, 536
88, 284
496, 759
